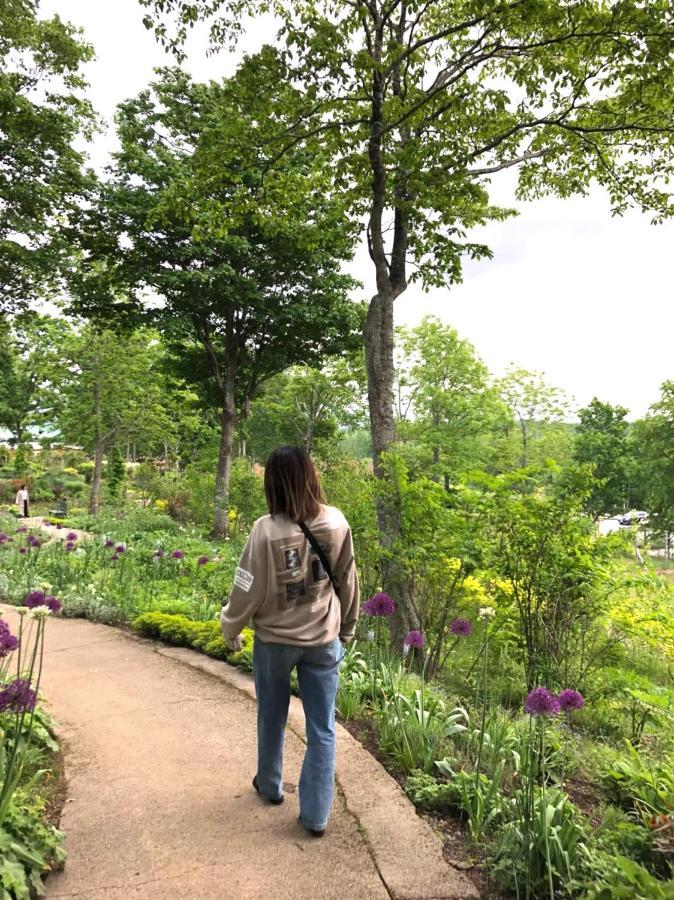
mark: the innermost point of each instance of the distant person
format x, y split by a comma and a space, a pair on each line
22, 502
297, 582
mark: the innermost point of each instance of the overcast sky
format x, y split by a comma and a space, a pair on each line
571, 291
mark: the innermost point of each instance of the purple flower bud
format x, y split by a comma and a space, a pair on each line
53, 603
70, 546
159, 554
570, 699
379, 605
109, 543
18, 696
414, 639
202, 560
541, 702
71, 536
35, 598
177, 554
461, 628
120, 548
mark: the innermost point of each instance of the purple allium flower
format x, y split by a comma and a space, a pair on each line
53, 603
22, 529
570, 699
541, 702
114, 557
177, 554
70, 546
461, 628
71, 536
379, 605
31, 539
59, 526
109, 543
35, 598
120, 548
36, 545
3, 537
414, 639
22, 550
7, 640
18, 696
202, 560
159, 554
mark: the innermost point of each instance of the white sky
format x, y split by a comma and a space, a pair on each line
571, 291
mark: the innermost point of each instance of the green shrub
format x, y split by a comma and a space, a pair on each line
647, 786
625, 879
29, 847
203, 636
429, 793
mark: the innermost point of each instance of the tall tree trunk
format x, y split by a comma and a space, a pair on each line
95, 495
379, 340
224, 468
379, 335
524, 452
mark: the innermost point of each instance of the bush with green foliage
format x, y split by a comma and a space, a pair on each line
203, 636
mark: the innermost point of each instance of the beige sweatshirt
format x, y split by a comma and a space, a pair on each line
282, 587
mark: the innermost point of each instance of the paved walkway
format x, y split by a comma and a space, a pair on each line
160, 749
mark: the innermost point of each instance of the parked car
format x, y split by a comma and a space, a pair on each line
634, 517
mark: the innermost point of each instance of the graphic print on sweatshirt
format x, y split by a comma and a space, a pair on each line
299, 574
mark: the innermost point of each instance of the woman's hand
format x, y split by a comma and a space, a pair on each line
236, 643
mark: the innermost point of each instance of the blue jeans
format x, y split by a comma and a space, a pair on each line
318, 674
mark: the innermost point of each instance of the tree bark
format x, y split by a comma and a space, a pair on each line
223, 471
95, 495
228, 419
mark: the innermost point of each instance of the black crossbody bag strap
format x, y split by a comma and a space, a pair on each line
318, 550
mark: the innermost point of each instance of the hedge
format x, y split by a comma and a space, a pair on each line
203, 636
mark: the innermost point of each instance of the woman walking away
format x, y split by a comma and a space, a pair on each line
297, 582
22, 500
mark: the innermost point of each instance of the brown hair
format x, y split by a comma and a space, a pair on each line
292, 485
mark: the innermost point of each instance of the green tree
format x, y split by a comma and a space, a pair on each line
421, 103
308, 407
533, 404
108, 389
653, 441
116, 473
29, 351
554, 567
601, 441
238, 306
42, 113
453, 406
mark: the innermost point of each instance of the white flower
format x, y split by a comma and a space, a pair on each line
22, 610
40, 612
406, 649
486, 612
80, 551
370, 635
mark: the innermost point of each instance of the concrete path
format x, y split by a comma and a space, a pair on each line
160, 750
